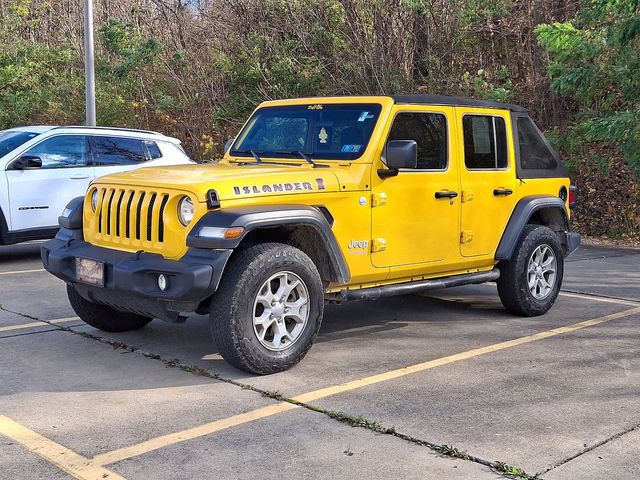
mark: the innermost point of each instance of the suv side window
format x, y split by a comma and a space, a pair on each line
61, 151
534, 153
429, 130
119, 151
485, 142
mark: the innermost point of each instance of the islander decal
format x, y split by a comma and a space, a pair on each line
280, 187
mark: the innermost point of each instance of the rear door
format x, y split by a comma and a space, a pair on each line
488, 179
38, 196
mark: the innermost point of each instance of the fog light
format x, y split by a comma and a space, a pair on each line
162, 282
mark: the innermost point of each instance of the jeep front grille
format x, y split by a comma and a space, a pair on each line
131, 214
129, 218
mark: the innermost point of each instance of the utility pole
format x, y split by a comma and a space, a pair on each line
89, 73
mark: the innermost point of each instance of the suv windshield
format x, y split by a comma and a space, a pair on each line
330, 131
12, 139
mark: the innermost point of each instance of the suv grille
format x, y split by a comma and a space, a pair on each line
131, 214
129, 218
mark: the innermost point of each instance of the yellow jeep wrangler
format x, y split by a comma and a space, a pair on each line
341, 198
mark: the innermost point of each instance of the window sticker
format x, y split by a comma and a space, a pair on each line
482, 133
351, 148
363, 116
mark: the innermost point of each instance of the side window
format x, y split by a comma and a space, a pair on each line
485, 142
534, 154
154, 150
429, 130
119, 151
62, 151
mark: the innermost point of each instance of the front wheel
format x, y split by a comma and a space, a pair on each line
268, 309
530, 281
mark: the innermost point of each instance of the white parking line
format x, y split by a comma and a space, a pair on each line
598, 298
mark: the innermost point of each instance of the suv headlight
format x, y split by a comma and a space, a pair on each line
186, 210
94, 200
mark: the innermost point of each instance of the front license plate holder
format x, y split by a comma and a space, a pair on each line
90, 271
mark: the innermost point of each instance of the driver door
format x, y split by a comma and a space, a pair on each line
37, 196
416, 214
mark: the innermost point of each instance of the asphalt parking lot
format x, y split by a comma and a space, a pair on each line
444, 386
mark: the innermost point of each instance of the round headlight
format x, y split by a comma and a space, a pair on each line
94, 200
185, 211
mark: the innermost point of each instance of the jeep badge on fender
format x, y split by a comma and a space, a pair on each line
320, 199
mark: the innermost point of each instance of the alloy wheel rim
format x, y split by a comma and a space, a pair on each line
280, 311
541, 272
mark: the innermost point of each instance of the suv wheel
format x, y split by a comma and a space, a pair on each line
103, 317
530, 281
268, 309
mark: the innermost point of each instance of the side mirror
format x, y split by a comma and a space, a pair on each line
27, 162
227, 145
400, 154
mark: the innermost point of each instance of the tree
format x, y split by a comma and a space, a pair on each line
595, 59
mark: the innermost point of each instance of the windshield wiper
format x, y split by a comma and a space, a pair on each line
305, 156
256, 155
253, 153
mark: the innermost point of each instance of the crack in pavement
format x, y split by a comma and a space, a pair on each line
24, 315
445, 450
588, 449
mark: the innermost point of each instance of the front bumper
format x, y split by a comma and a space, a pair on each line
130, 281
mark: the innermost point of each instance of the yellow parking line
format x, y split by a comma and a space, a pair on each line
14, 272
400, 372
37, 324
200, 431
173, 438
71, 462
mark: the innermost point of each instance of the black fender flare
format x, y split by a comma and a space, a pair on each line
269, 216
521, 215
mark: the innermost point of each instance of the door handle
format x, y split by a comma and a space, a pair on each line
446, 194
502, 192
79, 177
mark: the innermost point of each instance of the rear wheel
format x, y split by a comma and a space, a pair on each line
268, 309
103, 317
530, 281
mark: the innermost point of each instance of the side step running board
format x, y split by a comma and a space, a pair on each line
373, 293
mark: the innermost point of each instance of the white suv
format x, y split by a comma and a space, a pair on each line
45, 167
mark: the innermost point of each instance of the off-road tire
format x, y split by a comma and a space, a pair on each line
231, 313
103, 317
513, 284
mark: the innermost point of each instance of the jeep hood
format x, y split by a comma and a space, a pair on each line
231, 181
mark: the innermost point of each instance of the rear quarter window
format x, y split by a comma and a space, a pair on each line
534, 153
154, 150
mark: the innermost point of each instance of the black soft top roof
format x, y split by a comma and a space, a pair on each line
454, 101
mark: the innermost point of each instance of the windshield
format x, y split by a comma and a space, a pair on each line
332, 132
12, 139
